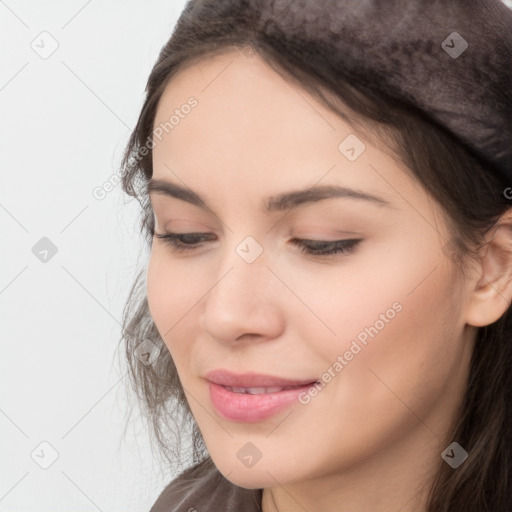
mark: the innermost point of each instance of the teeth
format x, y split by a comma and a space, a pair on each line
257, 391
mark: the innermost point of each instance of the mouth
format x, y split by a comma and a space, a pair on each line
235, 399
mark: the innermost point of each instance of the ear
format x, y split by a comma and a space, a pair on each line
491, 285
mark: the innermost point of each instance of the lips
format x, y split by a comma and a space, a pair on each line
253, 397
254, 383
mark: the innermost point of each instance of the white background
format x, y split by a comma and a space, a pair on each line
64, 122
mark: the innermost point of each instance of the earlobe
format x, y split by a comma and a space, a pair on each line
492, 285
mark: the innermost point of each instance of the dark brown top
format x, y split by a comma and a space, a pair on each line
203, 488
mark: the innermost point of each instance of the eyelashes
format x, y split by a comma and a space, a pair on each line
325, 248
181, 242
188, 242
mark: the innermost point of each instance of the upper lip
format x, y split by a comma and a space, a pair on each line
252, 380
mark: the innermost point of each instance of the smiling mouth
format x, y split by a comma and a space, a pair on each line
255, 403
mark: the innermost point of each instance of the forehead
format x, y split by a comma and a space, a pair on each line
246, 115
246, 95
252, 127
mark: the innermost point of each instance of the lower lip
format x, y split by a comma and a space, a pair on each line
252, 408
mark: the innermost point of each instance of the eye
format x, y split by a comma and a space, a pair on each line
325, 248
182, 242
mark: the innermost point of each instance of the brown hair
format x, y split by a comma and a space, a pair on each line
465, 186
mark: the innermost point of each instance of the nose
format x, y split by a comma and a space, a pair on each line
243, 303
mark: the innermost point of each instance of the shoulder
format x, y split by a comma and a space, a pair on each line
202, 488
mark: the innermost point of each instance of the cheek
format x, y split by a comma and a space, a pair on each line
159, 288
393, 309
402, 287
400, 332
172, 296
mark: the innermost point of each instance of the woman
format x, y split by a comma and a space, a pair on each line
326, 194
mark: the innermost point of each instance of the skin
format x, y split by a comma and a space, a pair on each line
372, 437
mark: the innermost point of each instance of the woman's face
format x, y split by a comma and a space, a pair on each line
380, 325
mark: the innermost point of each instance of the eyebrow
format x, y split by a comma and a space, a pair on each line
279, 202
